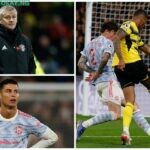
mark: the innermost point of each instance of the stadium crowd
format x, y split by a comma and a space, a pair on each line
80, 29
58, 115
51, 34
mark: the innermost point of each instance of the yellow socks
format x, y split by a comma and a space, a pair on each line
127, 116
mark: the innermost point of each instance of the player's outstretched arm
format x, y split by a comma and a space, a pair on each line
48, 138
145, 48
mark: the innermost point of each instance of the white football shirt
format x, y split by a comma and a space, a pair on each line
14, 132
94, 52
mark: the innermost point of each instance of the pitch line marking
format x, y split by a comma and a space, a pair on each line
114, 136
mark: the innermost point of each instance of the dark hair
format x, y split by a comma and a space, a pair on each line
141, 12
109, 25
7, 81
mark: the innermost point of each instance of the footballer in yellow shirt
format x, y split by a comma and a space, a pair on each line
130, 44
128, 66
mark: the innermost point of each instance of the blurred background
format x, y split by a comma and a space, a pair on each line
51, 100
50, 26
80, 29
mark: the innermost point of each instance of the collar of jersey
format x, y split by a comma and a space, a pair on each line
10, 119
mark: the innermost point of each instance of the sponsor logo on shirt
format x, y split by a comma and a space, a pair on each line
4, 48
20, 47
9, 142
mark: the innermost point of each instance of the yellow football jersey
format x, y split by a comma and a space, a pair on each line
129, 45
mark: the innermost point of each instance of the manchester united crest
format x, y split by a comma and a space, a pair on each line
18, 130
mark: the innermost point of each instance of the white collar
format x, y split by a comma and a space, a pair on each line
10, 119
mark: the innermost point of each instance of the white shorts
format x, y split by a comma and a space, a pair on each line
110, 91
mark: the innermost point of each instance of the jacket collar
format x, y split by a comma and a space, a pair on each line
9, 35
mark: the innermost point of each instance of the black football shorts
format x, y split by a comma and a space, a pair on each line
133, 73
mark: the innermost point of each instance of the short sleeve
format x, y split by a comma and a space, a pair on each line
36, 127
83, 52
141, 43
109, 48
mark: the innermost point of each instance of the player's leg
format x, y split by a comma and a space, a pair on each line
146, 83
108, 92
140, 120
129, 95
144, 75
98, 119
138, 117
125, 79
110, 96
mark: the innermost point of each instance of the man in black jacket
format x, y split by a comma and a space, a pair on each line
16, 55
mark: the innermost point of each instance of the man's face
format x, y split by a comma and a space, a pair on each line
112, 34
9, 95
9, 19
142, 21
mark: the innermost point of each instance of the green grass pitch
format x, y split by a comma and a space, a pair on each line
107, 135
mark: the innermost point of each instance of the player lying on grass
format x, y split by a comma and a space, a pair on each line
98, 53
15, 125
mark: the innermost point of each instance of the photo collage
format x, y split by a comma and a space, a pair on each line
74, 74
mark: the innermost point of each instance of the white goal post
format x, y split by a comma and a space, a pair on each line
88, 22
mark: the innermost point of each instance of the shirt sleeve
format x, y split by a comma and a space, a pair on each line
109, 48
141, 43
48, 138
36, 127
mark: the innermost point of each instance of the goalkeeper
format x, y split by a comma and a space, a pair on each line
98, 53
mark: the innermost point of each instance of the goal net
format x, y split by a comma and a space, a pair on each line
119, 12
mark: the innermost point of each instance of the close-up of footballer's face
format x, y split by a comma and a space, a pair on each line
142, 21
9, 19
9, 95
111, 34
